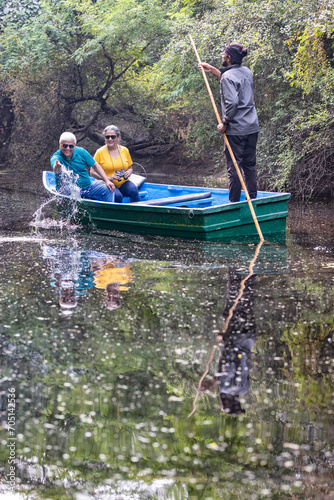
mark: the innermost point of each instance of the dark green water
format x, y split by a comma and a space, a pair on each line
104, 379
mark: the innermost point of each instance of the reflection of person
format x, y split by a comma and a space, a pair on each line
78, 161
116, 163
112, 270
232, 377
75, 271
240, 121
71, 274
112, 275
68, 300
113, 296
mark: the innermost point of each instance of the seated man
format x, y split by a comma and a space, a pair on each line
79, 161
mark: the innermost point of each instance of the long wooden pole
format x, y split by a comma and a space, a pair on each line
228, 146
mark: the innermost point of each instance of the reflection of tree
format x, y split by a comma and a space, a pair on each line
75, 271
236, 341
305, 343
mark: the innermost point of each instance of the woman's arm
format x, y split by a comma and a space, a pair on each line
96, 174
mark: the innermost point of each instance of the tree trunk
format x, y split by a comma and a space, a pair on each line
6, 125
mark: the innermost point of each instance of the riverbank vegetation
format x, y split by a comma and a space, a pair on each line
80, 65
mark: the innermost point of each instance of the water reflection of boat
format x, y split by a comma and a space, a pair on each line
272, 258
74, 271
181, 211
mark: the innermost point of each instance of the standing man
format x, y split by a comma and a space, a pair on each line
240, 121
79, 161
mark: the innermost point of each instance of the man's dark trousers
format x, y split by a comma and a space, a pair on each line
244, 150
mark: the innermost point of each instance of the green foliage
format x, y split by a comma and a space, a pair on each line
92, 58
290, 54
18, 11
83, 57
67, 34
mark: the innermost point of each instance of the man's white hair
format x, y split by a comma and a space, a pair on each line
67, 136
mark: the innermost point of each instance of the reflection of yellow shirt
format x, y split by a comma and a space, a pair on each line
110, 165
112, 274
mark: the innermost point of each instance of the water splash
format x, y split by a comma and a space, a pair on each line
38, 216
72, 193
68, 179
39, 220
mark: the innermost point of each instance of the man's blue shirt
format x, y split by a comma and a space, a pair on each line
78, 163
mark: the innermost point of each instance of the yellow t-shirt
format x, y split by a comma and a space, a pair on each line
111, 165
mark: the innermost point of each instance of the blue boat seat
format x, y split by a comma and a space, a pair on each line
143, 195
208, 202
175, 188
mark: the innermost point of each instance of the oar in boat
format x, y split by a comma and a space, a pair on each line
175, 199
228, 146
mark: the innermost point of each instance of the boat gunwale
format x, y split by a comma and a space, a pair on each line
166, 208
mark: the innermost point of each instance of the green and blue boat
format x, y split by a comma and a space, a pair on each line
180, 211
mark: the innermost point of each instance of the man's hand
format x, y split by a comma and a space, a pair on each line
209, 69
110, 185
221, 128
57, 167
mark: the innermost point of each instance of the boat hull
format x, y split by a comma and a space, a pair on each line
202, 220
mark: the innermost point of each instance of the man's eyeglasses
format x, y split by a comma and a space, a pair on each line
110, 136
65, 146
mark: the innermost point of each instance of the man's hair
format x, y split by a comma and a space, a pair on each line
236, 52
67, 136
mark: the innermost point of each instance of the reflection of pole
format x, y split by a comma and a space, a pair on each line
242, 287
226, 323
229, 147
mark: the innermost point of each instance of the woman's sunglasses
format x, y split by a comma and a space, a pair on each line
110, 136
65, 146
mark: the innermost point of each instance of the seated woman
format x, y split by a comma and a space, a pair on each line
116, 162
